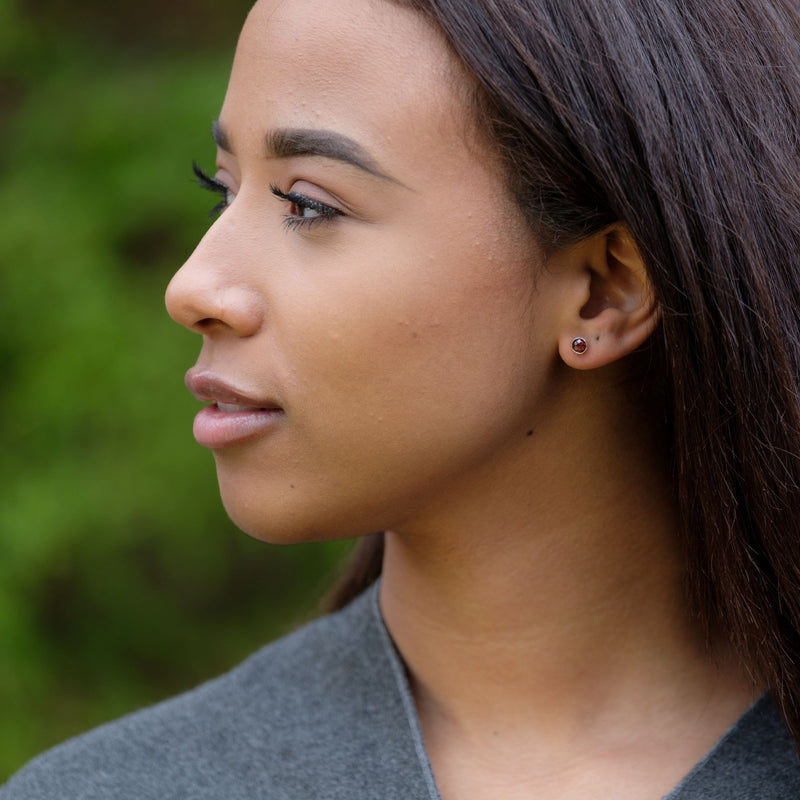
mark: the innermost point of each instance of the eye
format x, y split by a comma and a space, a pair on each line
305, 211
215, 186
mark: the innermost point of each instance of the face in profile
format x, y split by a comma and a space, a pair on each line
377, 329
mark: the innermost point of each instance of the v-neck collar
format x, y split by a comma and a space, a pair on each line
401, 682
754, 758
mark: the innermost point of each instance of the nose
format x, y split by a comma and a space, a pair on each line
208, 294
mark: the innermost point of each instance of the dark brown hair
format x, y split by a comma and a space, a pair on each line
681, 119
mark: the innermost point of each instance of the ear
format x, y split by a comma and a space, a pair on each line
611, 305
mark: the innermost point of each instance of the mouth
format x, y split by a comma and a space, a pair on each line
231, 408
234, 416
210, 388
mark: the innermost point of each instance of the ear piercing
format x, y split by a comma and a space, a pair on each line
579, 345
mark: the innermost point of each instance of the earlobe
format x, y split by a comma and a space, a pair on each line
615, 309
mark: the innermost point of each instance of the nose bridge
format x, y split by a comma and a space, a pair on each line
209, 292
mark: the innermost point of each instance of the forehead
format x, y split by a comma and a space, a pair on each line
367, 68
351, 31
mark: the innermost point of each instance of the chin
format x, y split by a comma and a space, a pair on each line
281, 516
274, 525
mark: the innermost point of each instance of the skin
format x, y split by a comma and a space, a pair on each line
419, 345
400, 338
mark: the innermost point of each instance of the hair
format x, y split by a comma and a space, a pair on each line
681, 120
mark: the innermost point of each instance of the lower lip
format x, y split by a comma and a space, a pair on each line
214, 428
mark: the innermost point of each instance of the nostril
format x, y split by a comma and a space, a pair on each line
204, 324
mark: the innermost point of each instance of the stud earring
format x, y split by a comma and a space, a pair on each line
579, 346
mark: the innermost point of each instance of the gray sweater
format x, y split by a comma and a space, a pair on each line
326, 713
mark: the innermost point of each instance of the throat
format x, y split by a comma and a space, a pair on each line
547, 681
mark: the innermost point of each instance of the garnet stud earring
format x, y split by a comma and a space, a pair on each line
579, 346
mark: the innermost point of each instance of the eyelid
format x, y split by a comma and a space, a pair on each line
304, 200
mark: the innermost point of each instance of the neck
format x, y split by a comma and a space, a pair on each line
568, 615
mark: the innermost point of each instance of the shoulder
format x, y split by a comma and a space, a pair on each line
287, 718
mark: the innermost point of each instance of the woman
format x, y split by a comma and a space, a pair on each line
516, 284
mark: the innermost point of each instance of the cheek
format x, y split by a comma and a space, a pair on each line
437, 329
403, 363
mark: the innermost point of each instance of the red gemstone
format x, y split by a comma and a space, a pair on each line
579, 346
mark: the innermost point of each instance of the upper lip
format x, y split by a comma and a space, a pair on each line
210, 388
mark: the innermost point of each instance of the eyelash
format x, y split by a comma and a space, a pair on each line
212, 185
324, 213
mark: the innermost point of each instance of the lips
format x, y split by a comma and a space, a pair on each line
209, 388
234, 415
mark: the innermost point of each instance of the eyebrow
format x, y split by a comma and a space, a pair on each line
220, 137
294, 142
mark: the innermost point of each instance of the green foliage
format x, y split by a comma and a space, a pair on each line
121, 580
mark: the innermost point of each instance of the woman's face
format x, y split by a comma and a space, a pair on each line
377, 329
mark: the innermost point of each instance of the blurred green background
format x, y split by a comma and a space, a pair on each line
121, 579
